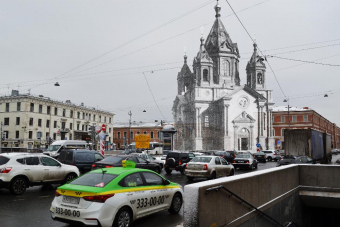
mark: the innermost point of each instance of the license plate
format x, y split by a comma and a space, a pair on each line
69, 199
67, 212
240, 161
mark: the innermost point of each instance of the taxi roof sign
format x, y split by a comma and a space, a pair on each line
128, 164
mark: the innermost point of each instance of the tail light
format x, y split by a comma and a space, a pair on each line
93, 165
247, 162
274, 153
234, 161
180, 162
186, 166
98, 198
57, 194
164, 161
109, 166
6, 170
265, 156
205, 167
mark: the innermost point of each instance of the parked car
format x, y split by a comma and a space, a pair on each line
289, 159
151, 159
82, 159
176, 160
226, 155
335, 151
116, 161
245, 160
272, 155
19, 171
209, 167
260, 156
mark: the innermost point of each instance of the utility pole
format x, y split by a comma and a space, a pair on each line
1, 137
129, 139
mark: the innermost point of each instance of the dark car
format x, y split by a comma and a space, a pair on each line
232, 152
226, 155
150, 159
177, 160
289, 159
116, 161
245, 160
83, 159
260, 156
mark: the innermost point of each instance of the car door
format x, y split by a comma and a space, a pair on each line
33, 169
139, 194
225, 166
218, 166
52, 169
160, 195
144, 164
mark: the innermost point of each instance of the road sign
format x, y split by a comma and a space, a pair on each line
98, 129
258, 145
278, 142
142, 141
104, 127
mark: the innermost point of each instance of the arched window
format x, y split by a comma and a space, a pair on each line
259, 78
205, 74
225, 67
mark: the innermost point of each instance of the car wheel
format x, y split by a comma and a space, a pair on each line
123, 218
161, 165
232, 172
213, 176
70, 177
270, 159
256, 166
168, 171
18, 186
176, 204
190, 178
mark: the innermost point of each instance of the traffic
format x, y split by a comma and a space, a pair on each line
120, 189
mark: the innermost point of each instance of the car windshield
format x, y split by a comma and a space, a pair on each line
113, 159
243, 156
201, 159
3, 160
94, 179
53, 148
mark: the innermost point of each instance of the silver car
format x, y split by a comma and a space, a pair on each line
245, 160
208, 167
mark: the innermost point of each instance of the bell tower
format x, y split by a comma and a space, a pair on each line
256, 71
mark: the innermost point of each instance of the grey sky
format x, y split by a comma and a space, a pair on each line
42, 40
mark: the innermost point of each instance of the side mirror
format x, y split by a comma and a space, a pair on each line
166, 182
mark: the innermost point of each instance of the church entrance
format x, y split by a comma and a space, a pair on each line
243, 139
244, 144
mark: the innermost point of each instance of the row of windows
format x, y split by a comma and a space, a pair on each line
152, 135
86, 116
294, 118
63, 124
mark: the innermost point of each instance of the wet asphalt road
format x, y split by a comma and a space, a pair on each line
32, 208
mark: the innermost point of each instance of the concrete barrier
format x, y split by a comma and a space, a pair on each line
276, 187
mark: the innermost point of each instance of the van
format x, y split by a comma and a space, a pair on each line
54, 149
83, 159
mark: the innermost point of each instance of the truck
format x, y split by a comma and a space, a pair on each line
54, 149
308, 142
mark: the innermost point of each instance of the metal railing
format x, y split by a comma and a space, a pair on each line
250, 205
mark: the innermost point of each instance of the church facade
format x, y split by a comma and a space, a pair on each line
212, 110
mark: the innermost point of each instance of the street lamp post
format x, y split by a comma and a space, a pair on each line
129, 139
287, 100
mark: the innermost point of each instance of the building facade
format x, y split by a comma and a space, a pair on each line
302, 118
124, 134
212, 110
28, 121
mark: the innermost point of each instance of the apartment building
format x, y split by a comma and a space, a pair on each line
302, 118
29, 121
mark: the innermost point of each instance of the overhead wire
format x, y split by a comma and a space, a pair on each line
310, 62
153, 96
257, 48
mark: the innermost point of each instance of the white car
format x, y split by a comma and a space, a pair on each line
18, 171
208, 167
272, 155
115, 197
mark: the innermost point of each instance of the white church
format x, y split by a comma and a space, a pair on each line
212, 110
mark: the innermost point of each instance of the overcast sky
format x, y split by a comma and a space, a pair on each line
98, 50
